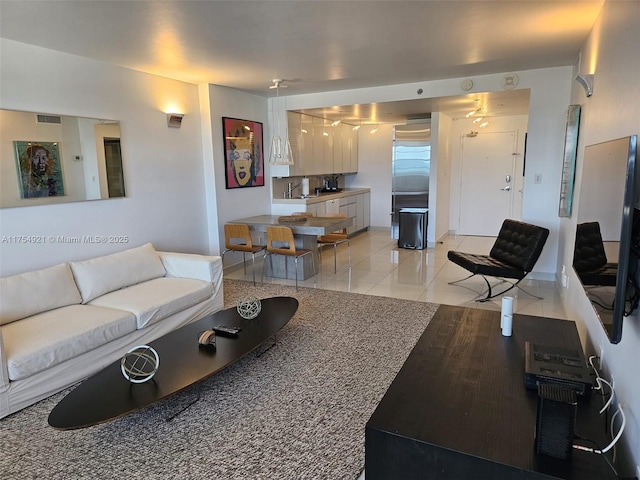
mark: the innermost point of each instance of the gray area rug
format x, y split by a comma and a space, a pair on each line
296, 412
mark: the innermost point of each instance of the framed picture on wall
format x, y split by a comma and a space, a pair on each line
569, 162
39, 169
243, 153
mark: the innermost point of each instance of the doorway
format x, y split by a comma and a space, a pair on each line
488, 191
113, 163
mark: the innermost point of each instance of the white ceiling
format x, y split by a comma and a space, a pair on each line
315, 45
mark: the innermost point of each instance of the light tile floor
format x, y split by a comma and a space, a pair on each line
379, 267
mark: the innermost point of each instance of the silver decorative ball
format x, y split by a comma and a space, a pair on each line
140, 364
249, 307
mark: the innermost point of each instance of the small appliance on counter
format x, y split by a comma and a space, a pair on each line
331, 184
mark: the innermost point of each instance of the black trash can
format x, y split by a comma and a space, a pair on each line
413, 228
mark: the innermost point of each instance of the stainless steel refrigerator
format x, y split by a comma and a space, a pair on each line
410, 168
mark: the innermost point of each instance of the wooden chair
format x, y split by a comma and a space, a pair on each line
335, 239
280, 242
237, 238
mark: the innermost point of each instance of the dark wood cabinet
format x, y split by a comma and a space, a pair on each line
459, 409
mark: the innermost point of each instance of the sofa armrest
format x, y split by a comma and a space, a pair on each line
4, 372
189, 265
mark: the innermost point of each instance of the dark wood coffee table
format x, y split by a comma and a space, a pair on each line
108, 395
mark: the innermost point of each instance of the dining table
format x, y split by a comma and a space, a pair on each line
305, 235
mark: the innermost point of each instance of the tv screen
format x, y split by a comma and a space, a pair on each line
610, 199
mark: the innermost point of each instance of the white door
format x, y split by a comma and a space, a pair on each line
487, 187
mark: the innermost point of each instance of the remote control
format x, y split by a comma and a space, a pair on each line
226, 330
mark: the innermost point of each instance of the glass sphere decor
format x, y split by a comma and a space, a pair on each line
140, 364
249, 307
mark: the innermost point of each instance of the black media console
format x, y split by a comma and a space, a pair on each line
458, 408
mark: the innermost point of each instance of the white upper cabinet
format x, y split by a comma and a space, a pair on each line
320, 148
296, 141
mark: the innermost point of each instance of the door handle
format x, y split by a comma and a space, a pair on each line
506, 189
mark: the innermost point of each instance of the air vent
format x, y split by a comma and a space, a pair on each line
419, 118
42, 118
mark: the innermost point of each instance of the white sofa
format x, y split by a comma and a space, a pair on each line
62, 324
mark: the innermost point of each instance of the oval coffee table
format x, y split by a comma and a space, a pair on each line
107, 395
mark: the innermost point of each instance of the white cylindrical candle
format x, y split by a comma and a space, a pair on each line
507, 325
507, 309
305, 186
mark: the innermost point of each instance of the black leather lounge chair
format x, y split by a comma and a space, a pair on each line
590, 259
513, 255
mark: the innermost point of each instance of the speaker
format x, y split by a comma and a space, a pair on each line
556, 419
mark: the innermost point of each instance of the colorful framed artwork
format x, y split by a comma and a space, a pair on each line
39, 169
243, 153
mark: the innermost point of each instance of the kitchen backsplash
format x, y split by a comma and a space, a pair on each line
281, 185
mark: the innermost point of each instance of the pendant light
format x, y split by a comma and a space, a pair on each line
281, 153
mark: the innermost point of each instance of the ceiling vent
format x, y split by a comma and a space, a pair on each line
419, 118
42, 118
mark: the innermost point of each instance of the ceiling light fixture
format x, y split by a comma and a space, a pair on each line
357, 127
281, 153
374, 130
336, 123
483, 124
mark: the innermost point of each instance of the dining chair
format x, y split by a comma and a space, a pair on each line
334, 239
280, 241
237, 238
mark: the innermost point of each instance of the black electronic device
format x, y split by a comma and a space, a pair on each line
226, 331
556, 366
555, 421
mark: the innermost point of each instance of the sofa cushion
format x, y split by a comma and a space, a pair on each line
101, 275
34, 292
158, 298
47, 339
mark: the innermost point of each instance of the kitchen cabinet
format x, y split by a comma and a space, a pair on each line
318, 147
348, 207
359, 212
332, 206
297, 143
316, 163
328, 138
355, 205
367, 209
338, 147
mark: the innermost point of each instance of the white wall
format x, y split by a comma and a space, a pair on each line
163, 167
235, 203
611, 53
374, 170
441, 161
550, 94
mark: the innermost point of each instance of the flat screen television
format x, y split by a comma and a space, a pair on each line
610, 196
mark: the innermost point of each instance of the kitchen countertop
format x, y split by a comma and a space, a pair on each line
323, 197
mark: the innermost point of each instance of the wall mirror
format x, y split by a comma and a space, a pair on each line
47, 159
569, 161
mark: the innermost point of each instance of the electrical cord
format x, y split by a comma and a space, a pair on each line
613, 442
606, 459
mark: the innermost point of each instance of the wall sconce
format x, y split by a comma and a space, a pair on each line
586, 81
174, 120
